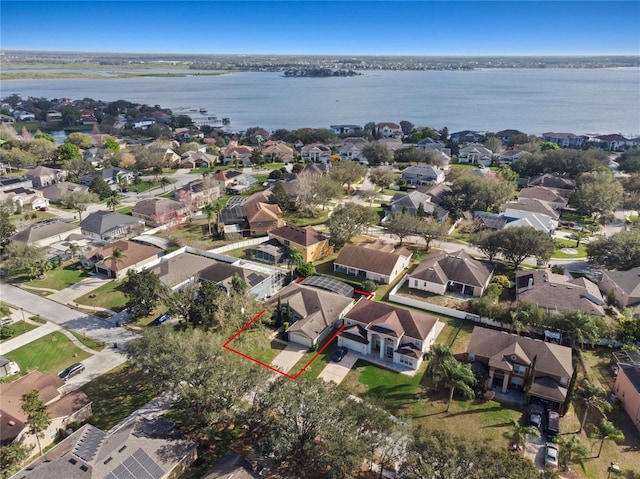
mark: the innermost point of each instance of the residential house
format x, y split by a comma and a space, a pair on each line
388, 333
423, 174
109, 225
262, 217
53, 115
198, 193
54, 193
437, 193
532, 205
236, 153
178, 268
376, 261
547, 195
142, 447
231, 466
475, 154
312, 244
112, 176
321, 169
563, 186
316, 152
277, 151
241, 183
166, 149
351, 149
625, 286
539, 221
411, 203
269, 252
94, 155
88, 117
557, 293
429, 144
311, 313
511, 156
198, 159
392, 144
12, 182
160, 211
143, 123
226, 178
46, 233
63, 408
22, 115
505, 135
446, 273
262, 281
508, 360
188, 134
564, 140
7, 119
133, 255
627, 391
25, 198
340, 130
42, 176
389, 130
613, 142
467, 136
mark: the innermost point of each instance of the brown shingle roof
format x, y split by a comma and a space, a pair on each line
461, 267
132, 252
551, 359
392, 320
377, 257
302, 235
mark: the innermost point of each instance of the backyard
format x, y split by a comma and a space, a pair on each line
51, 353
61, 277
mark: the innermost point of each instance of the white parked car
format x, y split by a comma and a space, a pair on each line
551, 455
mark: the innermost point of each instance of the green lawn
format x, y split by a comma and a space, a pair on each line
124, 211
53, 352
297, 219
88, 342
117, 394
61, 278
318, 364
106, 296
560, 244
15, 329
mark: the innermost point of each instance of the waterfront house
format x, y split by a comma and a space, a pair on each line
564, 140
475, 154
389, 130
316, 152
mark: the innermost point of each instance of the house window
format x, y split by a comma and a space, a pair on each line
415, 283
472, 357
406, 361
287, 242
563, 381
518, 369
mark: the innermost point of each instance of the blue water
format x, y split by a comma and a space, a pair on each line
531, 100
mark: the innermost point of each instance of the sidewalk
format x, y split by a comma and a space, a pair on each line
26, 338
79, 289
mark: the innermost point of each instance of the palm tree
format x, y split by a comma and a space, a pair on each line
118, 257
571, 450
211, 210
580, 327
157, 171
592, 396
164, 182
113, 202
295, 258
459, 376
520, 432
606, 430
437, 356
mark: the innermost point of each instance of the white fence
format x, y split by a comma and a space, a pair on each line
434, 308
241, 244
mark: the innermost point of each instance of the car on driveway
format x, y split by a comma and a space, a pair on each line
163, 318
535, 416
338, 354
71, 371
551, 455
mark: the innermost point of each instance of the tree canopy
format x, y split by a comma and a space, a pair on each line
348, 221
619, 251
144, 292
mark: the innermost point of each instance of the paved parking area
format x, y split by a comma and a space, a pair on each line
288, 357
534, 449
336, 372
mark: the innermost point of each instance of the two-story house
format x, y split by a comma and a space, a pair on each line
312, 244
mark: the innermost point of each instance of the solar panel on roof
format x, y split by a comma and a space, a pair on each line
137, 466
329, 284
88, 445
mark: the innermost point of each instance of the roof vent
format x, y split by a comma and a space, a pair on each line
11, 423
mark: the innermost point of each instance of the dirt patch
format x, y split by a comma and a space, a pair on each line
446, 301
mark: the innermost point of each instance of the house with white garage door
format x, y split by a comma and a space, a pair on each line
311, 312
388, 333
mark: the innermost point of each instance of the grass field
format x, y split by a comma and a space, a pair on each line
16, 329
53, 352
61, 278
106, 296
89, 342
560, 244
117, 394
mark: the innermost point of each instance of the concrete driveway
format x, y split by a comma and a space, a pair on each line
336, 372
534, 449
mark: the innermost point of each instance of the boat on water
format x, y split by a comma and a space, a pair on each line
201, 117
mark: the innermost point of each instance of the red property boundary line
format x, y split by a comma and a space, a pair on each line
268, 366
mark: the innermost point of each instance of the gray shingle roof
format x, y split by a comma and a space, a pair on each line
374, 257
101, 222
627, 281
461, 267
40, 231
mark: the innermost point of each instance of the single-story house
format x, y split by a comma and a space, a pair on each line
175, 270
468, 136
311, 313
311, 243
231, 466
423, 174
411, 203
517, 219
546, 195
564, 140
511, 156
12, 182
197, 159
557, 293
109, 225
54, 193
627, 390
261, 281
505, 135
133, 255
533, 205
25, 198
429, 144
46, 233
458, 272
509, 360
346, 129
376, 261
139, 448
62, 408
563, 186
388, 333
624, 284
112, 176
160, 211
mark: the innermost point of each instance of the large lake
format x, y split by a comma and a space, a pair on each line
532, 100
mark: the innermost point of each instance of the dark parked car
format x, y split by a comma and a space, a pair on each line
71, 371
338, 354
535, 415
161, 319
553, 422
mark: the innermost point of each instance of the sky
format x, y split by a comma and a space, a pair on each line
324, 27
